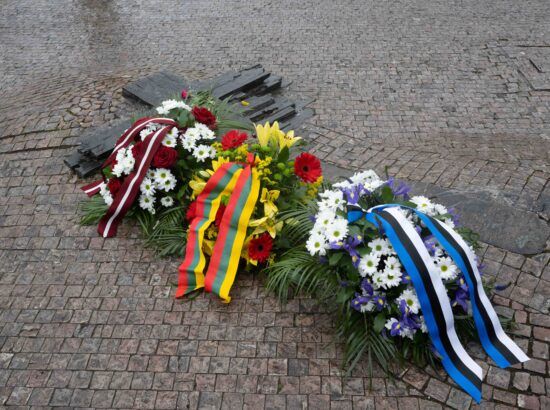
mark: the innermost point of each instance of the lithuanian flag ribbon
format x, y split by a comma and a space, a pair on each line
241, 183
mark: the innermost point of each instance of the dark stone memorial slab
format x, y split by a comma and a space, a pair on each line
252, 84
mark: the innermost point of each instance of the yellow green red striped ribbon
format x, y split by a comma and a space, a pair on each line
243, 186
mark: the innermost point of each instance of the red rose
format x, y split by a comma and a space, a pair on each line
204, 116
233, 139
138, 150
259, 248
191, 211
114, 185
219, 215
307, 167
184, 94
165, 157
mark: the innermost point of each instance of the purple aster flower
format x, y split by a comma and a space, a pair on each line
418, 229
399, 188
312, 218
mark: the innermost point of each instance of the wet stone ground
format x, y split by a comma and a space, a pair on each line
439, 91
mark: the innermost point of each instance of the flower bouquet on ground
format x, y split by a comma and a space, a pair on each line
202, 193
398, 271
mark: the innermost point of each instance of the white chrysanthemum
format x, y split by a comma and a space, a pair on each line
151, 173
105, 194
189, 141
392, 278
167, 201
147, 187
369, 264
316, 244
204, 132
440, 209
332, 200
392, 263
423, 204
168, 105
103, 188
168, 184
379, 280
343, 185
364, 177
337, 230
128, 162
174, 132
324, 219
446, 267
380, 246
411, 299
449, 222
170, 141
146, 202
202, 152
161, 175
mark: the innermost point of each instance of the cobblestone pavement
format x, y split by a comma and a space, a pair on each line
429, 88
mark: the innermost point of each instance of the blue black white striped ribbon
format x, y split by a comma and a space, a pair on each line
433, 297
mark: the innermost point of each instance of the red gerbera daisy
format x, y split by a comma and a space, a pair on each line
259, 248
233, 139
307, 167
191, 211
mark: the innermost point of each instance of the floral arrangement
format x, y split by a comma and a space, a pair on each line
355, 265
201, 141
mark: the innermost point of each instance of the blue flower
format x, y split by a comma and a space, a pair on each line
358, 301
379, 302
366, 286
454, 216
461, 294
430, 244
353, 193
399, 188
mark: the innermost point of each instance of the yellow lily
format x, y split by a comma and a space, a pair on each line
268, 198
197, 185
288, 139
265, 133
265, 224
244, 252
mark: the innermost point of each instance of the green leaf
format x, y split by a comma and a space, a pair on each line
283, 155
108, 172
387, 195
335, 258
379, 322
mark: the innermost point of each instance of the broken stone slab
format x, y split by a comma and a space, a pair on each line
498, 224
155, 88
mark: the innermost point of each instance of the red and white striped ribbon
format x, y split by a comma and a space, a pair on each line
125, 140
130, 188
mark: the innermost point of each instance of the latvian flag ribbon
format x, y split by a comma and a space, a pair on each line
126, 195
241, 183
433, 298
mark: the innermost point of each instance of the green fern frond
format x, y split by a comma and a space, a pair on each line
92, 210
